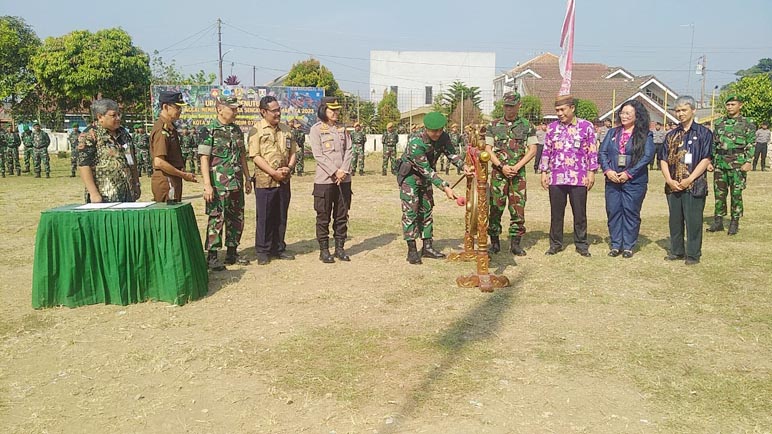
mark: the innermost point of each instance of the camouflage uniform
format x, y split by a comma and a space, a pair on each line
189, 151
358, 140
299, 136
734, 143
12, 143
389, 141
225, 146
141, 143
115, 178
26, 139
3, 153
416, 191
72, 140
458, 141
510, 144
40, 142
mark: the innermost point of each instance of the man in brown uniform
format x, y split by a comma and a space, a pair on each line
166, 182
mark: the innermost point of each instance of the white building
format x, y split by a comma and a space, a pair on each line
418, 76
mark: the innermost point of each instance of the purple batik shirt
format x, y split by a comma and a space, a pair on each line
569, 152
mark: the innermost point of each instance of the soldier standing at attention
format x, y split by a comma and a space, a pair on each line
733, 146
224, 168
417, 174
458, 142
26, 139
299, 136
72, 139
12, 143
358, 140
762, 140
659, 140
3, 154
40, 143
165, 149
189, 148
512, 144
389, 141
142, 145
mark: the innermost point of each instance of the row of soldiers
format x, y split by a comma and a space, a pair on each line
390, 139
35, 141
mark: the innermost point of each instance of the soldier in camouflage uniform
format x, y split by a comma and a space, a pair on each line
26, 139
141, 142
40, 143
458, 141
511, 142
12, 143
72, 140
189, 150
417, 174
733, 148
389, 141
224, 168
3, 153
299, 136
358, 140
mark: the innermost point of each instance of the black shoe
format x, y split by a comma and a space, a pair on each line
324, 252
584, 252
734, 226
284, 256
263, 259
232, 258
614, 253
428, 251
717, 226
72, 175
340, 252
213, 263
37, 175
553, 250
495, 246
361, 173
413, 256
514, 247
300, 173
691, 261
672, 257
353, 174
627, 254
48, 175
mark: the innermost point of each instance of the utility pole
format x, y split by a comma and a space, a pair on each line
254, 72
701, 70
219, 46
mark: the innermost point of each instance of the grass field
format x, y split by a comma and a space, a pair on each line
575, 345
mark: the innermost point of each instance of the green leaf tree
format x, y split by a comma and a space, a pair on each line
498, 109
764, 67
81, 66
388, 111
459, 91
311, 73
530, 108
368, 117
586, 109
18, 43
757, 91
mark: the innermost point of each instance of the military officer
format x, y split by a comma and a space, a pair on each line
166, 152
734, 141
511, 142
358, 140
188, 146
299, 136
389, 141
40, 143
12, 143
72, 140
26, 139
142, 145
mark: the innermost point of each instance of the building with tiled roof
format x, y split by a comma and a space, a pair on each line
607, 86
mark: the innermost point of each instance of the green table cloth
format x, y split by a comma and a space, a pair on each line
118, 256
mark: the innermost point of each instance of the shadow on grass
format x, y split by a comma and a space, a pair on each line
220, 279
371, 243
479, 324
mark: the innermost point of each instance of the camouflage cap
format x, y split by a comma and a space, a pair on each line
229, 100
734, 97
357, 124
511, 98
435, 121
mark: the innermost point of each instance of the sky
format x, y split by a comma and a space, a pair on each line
267, 38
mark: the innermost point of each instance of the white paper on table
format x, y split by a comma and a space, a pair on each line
101, 205
132, 205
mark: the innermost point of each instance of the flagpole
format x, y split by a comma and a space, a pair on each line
613, 105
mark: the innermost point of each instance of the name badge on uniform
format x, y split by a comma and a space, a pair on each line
622, 160
129, 159
288, 142
577, 143
688, 158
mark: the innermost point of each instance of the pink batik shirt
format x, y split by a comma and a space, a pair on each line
570, 152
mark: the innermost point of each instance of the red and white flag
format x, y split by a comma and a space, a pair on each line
567, 44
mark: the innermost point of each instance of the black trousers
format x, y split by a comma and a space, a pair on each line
271, 205
332, 202
577, 195
685, 211
761, 152
537, 158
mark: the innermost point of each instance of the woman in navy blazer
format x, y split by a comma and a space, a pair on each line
624, 156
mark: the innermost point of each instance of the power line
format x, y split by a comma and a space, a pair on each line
189, 37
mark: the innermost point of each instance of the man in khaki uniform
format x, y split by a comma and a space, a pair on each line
166, 182
273, 148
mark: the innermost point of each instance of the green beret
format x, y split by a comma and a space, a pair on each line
25, 127
734, 97
74, 125
511, 98
435, 121
136, 126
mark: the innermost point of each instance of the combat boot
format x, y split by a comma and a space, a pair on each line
231, 257
18, 172
212, 262
412, 253
495, 246
718, 224
514, 247
37, 175
734, 226
324, 252
48, 175
428, 251
340, 253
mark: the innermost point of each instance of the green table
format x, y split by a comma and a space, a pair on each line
118, 256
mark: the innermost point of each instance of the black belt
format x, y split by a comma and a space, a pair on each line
730, 151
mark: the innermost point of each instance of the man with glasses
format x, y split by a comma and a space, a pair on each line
165, 148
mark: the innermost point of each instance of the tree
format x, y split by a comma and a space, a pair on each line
388, 111
757, 91
459, 91
81, 66
471, 114
498, 109
586, 109
530, 108
163, 73
232, 80
311, 73
18, 43
368, 116
763, 67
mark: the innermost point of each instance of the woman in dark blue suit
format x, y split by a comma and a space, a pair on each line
624, 156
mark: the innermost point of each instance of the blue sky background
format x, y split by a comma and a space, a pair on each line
651, 38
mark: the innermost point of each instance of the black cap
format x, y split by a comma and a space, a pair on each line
169, 97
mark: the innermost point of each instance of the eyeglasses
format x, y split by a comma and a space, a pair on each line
274, 111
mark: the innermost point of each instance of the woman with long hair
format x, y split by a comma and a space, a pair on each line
624, 157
